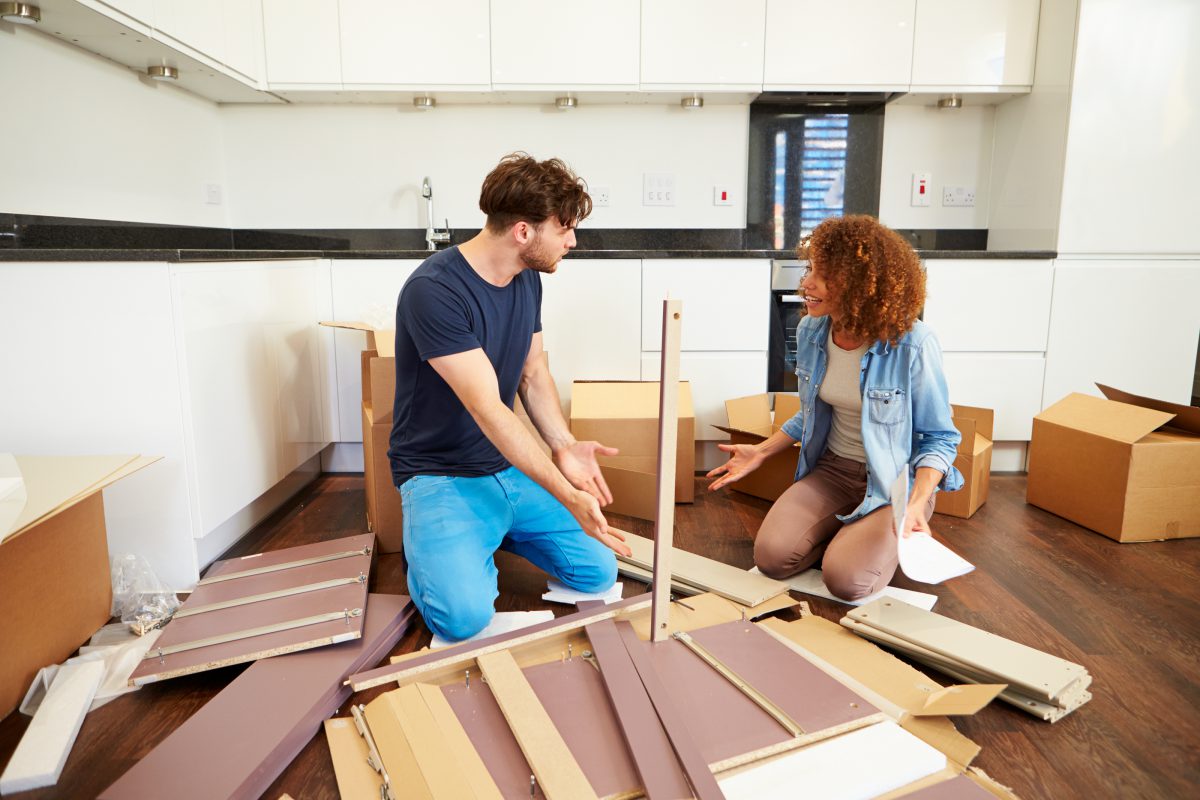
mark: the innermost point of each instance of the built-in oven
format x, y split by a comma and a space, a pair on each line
787, 309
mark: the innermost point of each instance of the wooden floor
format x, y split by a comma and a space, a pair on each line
1129, 613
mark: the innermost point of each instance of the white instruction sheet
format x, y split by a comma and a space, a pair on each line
922, 557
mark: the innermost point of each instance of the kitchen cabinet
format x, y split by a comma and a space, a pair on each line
977, 45
302, 44
591, 323
996, 305
244, 38
213, 367
415, 44
726, 302
363, 291
1008, 383
849, 45
141, 11
197, 26
715, 378
709, 45
1131, 324
585, 44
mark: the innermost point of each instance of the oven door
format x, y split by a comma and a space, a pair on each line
787, 309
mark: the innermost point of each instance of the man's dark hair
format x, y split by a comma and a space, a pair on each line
523, 189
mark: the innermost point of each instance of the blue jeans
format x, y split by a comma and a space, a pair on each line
453, 528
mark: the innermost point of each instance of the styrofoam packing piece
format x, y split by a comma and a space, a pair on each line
1037, 673
502, 622
119, 663
560, 593
833, 769
42, 752
812, 581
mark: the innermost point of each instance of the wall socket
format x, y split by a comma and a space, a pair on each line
958, 196
658, 189
600, 196
212, 194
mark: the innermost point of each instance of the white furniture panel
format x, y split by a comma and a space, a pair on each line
1132, 156
705, 44
90, 366
726, 302
591, 321
302, 42
529, 47
1008, 383
715, 378
989, 305
416, 43
980, 43
859, 44
1133, 325
252, 390
363, 291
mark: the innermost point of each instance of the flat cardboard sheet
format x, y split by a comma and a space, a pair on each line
342, 598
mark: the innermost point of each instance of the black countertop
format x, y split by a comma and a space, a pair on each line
46, 254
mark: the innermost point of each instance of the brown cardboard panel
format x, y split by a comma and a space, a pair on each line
634, 493
750, 414
961, 700
382, 340
385, 511
395, 750
786, 406
623, 399
72, 595
431, 748
1186, 417
1124, 423
349, 752
1078, 476
750, 422
378, 385
976, 469
982, 419
53, 481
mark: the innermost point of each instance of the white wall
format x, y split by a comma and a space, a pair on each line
88, 138
1133, 148
1031, 140
361, 166
953, 145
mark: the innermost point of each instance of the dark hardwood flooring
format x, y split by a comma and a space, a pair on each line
1128, 612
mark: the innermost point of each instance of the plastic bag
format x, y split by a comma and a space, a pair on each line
140, 599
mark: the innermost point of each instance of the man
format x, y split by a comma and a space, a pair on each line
471, 478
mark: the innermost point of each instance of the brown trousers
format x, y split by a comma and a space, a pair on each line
859, 557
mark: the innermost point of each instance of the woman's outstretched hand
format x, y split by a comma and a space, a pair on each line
743, 459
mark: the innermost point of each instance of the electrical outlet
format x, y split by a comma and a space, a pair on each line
212, 194
600, 195
658, 189
963, 196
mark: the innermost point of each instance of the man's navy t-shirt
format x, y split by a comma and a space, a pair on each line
445, 307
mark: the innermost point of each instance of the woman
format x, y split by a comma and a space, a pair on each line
873, 401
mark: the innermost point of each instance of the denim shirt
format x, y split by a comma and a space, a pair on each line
906, 410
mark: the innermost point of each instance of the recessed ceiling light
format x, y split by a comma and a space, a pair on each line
20, 13
692, 103
161, 72
950, 101
565, 103
424, 103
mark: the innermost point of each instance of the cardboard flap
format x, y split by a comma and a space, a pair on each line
962, 700
381, 340
623, 400
759, 434
786, 407
982, 419
1186, 417
749, 414
1119, 421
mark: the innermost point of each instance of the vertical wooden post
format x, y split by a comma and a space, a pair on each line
668, 438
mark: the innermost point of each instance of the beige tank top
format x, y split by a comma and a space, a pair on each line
840, 389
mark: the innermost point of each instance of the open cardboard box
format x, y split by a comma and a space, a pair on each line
1126, 466
624, 415
55, 589
750, 422
974, 461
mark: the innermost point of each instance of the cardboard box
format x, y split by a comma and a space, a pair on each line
385, 512
378, 369
1127, 466
750, 422
624, 415
974, 461
54, 566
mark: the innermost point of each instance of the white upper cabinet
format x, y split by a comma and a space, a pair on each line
137, 10
703, 44
244, 37
850, 44
301, 39
417, 44
976, 44
590, 44
198, 26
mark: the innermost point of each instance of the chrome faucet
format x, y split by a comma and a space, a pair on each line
433, 236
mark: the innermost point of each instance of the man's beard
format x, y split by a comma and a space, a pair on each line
536, 259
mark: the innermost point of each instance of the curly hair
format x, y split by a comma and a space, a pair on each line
523, 189
874, 276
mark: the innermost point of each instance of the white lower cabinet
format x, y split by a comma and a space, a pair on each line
1008, 383
591, 323
726, 302
363, 291
998, 305
216, 368
715, 378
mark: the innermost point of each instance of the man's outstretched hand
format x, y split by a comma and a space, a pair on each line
578, 465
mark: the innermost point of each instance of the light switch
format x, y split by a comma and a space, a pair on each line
921, 188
